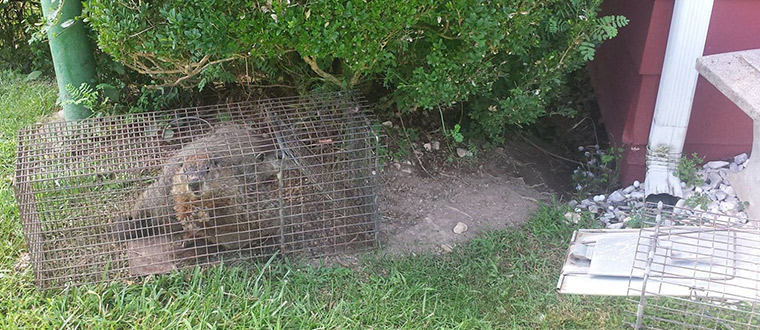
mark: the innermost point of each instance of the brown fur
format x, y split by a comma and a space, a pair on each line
217, 208
235, 164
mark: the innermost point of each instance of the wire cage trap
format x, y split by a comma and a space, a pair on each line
118, 197
695, 270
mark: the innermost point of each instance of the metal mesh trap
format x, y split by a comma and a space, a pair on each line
118, 197
695, 270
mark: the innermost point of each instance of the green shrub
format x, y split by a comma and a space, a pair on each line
18, 21
506, 59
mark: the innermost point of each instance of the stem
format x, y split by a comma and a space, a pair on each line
326, 76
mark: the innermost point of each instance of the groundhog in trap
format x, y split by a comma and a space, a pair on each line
207, 190
212, 201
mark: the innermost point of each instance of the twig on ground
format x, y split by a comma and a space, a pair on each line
531, 199
455, 209
414, 151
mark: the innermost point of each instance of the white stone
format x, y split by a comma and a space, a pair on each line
460, 228
679, 206
599, 198
698, 190
618, 225
716, 164
723, 174
715, 180
636, 184
728, 190
428, 146
616, 197
733, 168
638, 195
463, 153
683, 184
629, 189
593, 209
435, 144
726, 206
740, 158
720, 195
572, 217
572, 203
388, 123
586, 203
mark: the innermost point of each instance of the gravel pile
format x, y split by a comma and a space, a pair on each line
714, 194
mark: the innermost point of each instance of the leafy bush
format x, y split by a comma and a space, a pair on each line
19, 19
506, 59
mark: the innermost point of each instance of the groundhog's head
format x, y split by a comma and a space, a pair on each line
197, 174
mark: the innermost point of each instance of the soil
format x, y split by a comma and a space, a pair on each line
421, 206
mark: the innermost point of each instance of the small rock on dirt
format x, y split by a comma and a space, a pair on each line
428, 147
435, 144
463, 153
460, 228
388, 123
446, 248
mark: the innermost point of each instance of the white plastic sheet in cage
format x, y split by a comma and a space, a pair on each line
686, 261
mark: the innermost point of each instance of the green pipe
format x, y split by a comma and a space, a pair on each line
70, 46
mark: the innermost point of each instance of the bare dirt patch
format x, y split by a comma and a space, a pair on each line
421, 210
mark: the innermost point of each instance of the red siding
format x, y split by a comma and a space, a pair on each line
626, 74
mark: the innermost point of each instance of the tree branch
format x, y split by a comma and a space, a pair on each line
326, 76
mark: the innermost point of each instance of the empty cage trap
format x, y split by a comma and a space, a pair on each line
118, 197
684, 269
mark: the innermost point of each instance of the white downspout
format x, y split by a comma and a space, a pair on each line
686, 42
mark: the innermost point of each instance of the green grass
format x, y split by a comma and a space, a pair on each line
505, 279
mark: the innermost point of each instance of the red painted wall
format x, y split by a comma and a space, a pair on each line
626, 75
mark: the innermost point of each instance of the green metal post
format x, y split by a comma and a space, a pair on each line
71, 49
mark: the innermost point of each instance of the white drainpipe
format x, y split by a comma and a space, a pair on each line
686, 42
